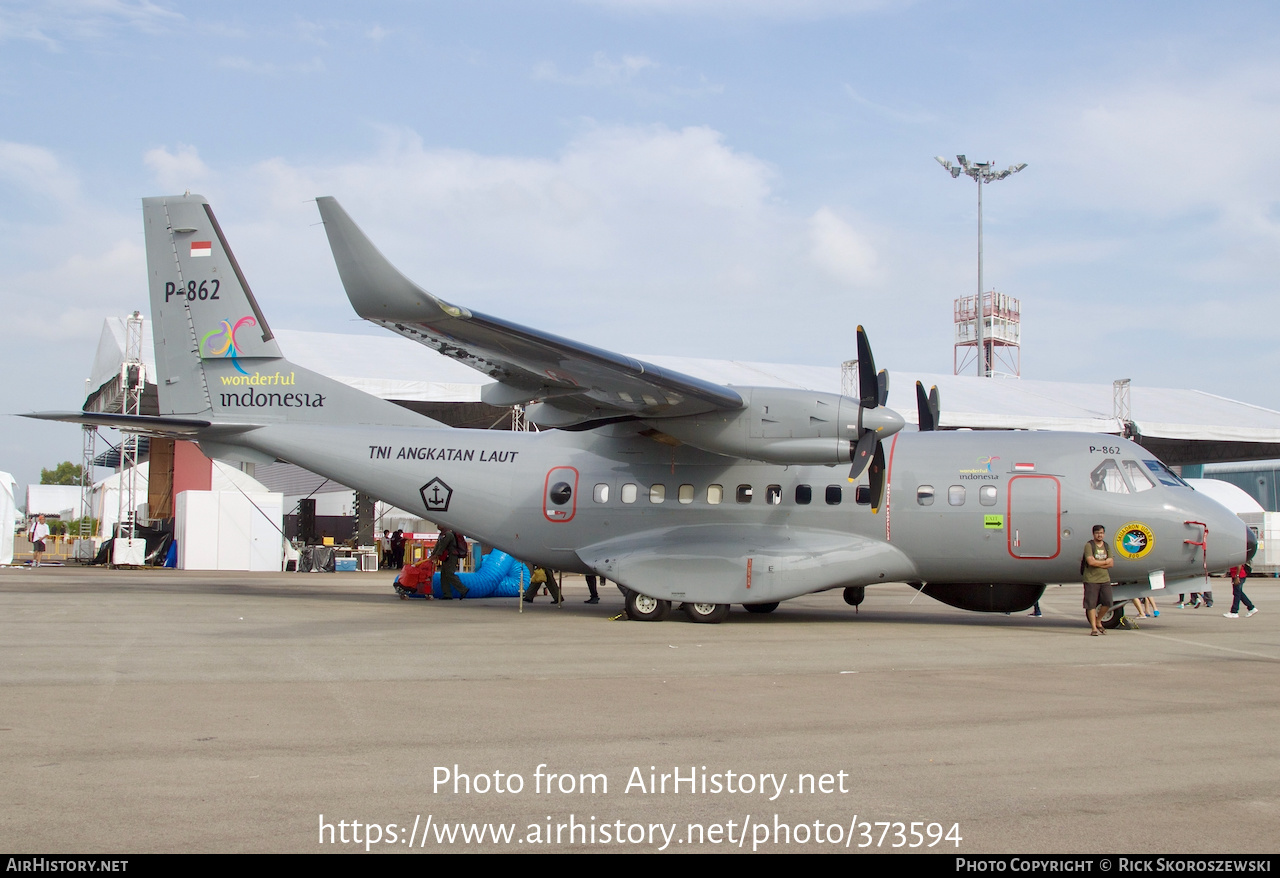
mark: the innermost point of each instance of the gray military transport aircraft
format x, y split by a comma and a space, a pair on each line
680, 489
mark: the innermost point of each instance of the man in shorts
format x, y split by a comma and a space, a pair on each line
1097, 578
38, 533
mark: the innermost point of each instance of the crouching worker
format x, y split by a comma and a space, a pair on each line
414, 581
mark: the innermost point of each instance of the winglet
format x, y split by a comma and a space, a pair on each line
376, 288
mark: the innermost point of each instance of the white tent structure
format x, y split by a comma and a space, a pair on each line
8, 516
1181, 426
105, 500
60, 500
1233, 497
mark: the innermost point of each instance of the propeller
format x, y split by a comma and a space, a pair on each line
875, 478
875, 422
868, 382
928, 408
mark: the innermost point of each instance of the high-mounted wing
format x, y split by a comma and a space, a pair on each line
572, 383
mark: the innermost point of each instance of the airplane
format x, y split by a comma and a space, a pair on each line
682, 490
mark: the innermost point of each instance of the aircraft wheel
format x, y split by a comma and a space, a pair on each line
711, 614
642, 608
761, 608
854, 595
1114, 617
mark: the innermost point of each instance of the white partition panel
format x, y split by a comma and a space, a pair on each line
227, 530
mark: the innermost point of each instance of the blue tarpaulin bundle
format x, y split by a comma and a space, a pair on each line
499, 576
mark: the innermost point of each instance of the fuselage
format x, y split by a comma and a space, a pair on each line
960, 507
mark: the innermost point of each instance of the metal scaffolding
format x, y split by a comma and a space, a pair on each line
133, 379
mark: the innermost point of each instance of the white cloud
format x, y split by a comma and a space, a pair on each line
905, 116
1167, 148
311, 32
787, 9
840, 250
633, 238
37, 170
177, 171
81, 20
268, 68
603, 72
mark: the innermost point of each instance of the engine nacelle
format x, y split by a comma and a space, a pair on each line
984, 597
777, 425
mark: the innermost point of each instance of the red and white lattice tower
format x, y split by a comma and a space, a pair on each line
1001, 335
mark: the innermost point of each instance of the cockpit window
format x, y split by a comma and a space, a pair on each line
1137, 476
1164, 475
1107, 477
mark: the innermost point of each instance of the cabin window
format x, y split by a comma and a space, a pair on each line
862, 495
773, 495
1106, 476
804, 495
834, 495
1137, 477
1165, 475
715, 494
988, 494
924, 495
657, 493
629, 493
686, 494
601, 493
955, 495
744, 493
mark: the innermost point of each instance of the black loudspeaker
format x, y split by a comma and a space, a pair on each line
307, 521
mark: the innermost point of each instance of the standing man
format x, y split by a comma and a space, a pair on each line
397, 550
38, 533
448, 553
591, 587
1238, 576
384, 549
1097, 564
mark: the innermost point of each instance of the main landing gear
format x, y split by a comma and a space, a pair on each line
642, 608
711, 614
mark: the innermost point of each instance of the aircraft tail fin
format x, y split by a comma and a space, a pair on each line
201, 305
216, 356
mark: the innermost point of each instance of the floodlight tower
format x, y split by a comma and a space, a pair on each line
981, 172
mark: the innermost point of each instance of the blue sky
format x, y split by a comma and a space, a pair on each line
709, 178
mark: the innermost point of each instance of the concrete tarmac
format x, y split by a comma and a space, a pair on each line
157, 711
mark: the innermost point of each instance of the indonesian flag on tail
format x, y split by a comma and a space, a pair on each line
1024, 467
201, 248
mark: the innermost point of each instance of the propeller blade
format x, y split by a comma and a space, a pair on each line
935, 406
882, 379
925, 409
862, 453
868, 384
876, 478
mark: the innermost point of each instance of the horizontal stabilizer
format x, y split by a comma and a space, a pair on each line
152, 425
